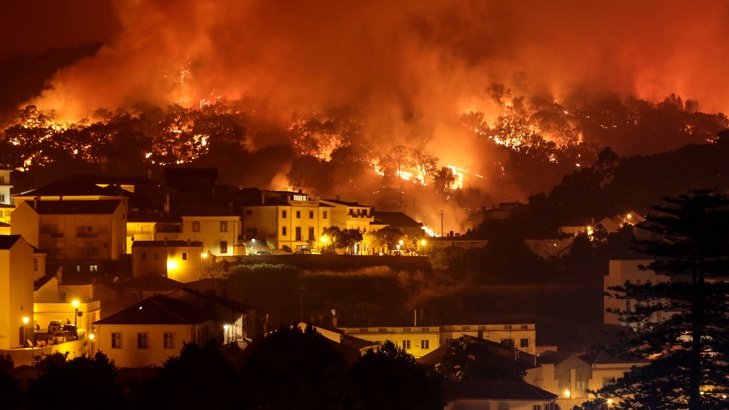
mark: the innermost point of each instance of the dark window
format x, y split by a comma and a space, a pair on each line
298, 233
223, 226
406, 344
311, 233
425, 344
283, 231
524, 343
184, 256
311, 214
298, 214
324, 215
169, 340
283, 214
144, 256
508, 342
156, 256
223, 247
116, 340
141, 340
196, 226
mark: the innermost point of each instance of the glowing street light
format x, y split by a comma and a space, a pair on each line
76, 313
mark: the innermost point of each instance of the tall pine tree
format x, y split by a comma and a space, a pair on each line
681, 325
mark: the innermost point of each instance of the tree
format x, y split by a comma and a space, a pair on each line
389, 378
295, 369
688, 350
469, 358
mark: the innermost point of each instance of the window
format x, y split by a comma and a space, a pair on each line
184, 256
311, 233
425, 344
169, 340
35, 264
249, 212
283, 231
144, 256
311, 214
524, 343
116, 341
2, 198
283, 214
536, 407
141, 340
196, 226
324, 214
156, 256
508, 342
406, 344
298, 214
223, 226
78, 268
298, 233
93, 268
223, 247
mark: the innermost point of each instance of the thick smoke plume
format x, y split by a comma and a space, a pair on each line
408, 69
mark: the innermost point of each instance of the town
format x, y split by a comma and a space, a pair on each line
136, 269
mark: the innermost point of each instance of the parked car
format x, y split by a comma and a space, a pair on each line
55, 326
70, 331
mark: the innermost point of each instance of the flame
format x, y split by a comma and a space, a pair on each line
430, 232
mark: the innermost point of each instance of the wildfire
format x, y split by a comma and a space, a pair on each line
430, 232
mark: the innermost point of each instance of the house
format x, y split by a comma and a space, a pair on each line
421, 340
500, 212
151, 331
350, 215
16, 291
577, 226
141, 227
550, 249
72, 191
74, 232
628, 270
522, 359
154, 329
177, 260
486, 395
400, 221
215, 227
572, 376
288, 219
5, 187
615, 223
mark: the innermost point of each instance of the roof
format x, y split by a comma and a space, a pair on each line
484, 390
8, 241
137, 216
166, 244
151, 282
156, 310
75, 207
4, 225
552, 357
109, 180
42, 281
191, 173
192, 296
598, 357
204, 210
337, 201
395, 219
76, 188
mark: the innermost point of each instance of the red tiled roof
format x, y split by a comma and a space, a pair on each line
157, 310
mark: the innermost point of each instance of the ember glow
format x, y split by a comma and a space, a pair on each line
421, 85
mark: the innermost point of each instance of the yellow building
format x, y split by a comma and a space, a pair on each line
628, 270
216, 228
74, 230
177, 260
151, 331
16, 291
287, 219
571, 376
421, 340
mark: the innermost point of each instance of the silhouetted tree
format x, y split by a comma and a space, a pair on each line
295, 369
389, 378
688, 345
468, 358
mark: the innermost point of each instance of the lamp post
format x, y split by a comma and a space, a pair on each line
26, 319
75, 313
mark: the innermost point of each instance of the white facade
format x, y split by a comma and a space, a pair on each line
621, 271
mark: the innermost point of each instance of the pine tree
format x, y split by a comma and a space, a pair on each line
681, 326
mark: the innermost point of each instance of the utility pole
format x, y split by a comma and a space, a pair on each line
441, 222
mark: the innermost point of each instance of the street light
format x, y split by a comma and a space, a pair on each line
76, 313
26, 319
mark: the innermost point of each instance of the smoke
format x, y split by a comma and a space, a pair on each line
408, 68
